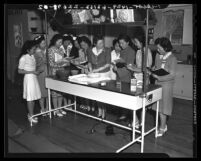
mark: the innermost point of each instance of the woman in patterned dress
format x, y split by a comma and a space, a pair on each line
56, 62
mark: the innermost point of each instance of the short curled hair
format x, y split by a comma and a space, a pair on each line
165, 43
156, 42
78, 39
54, 39
28, 45
114, 42
141, 39
127, 39
97, 38
68, 38
85, 39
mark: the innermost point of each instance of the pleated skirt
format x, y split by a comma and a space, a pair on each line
31, 88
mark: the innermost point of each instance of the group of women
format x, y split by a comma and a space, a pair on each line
65, 53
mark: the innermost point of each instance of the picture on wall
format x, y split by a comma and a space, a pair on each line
18, 37
125, 15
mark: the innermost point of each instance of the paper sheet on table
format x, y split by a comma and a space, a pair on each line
84, 79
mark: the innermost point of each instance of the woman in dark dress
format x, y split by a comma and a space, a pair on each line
70, 51
41, 66
127, 56
99, 59
85, 46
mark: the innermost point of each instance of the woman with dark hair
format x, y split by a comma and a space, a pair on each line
85, 45
127, 56
31, 88
77, 42
99, 59
167, 61
115, 54
57, 62
70, 51
139, 42
41, 67
81, 61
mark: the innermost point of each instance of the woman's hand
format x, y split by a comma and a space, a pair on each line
94, 71
36, 72
66, 64
114, 68
130, 66
155, 76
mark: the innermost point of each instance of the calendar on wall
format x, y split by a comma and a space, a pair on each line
18, 37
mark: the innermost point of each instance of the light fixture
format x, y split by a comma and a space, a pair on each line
45, 7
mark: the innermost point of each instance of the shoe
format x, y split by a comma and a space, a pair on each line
58, 113
121, 118
93, 109
161, 132
18, 132
137, 125
103, 115
63, 112
31, 119
83, 107
88, 108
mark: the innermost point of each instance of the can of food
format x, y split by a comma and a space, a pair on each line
133, 86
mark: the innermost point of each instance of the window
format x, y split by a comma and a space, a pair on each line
173, 25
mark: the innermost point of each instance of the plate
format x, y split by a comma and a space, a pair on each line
94, 75
83, 63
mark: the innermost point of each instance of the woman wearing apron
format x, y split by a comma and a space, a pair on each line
57, 62
166, 60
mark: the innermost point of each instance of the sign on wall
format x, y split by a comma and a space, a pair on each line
18, 35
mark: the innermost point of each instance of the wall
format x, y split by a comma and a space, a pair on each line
12, 51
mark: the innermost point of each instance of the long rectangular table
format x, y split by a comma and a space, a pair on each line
110, 94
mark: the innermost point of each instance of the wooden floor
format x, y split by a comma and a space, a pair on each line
69, 134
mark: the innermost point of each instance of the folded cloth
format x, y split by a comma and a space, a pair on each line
84, 79
120, 64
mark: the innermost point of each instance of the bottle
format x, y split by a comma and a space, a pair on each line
133, 84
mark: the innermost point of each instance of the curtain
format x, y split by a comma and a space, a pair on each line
171, 20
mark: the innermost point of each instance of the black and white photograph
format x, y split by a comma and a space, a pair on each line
100, 80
